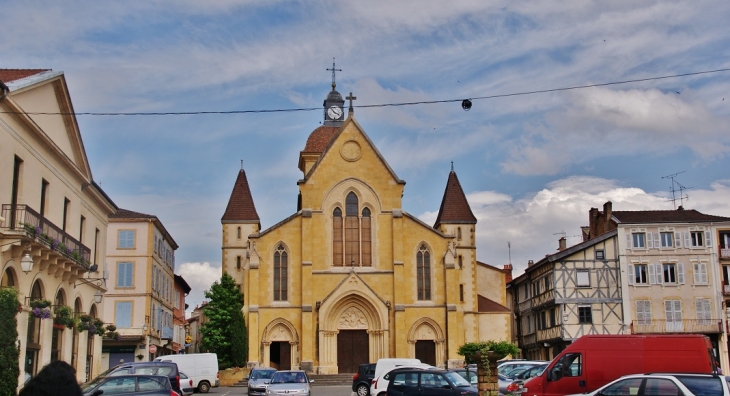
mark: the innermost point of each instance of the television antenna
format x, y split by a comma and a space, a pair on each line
682, 195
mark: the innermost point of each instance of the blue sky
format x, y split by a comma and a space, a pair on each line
531, 165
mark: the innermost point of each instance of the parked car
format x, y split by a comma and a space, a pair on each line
416, 382
507, 386
123, 385
664, 384
380, 383
289, 382
529, 372
186, 384
511, 367
470, 375
202, 368
168, 369
386, 364
258, 380
362, 380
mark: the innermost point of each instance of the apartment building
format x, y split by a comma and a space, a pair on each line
53, 224
140, 299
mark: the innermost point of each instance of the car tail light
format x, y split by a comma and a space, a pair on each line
513, 387
191, 383
173, 393
375, 382
354, 377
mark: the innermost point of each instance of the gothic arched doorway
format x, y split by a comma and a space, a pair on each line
280, 344
427, 342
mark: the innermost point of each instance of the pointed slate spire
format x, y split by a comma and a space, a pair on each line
240, 206
455, 208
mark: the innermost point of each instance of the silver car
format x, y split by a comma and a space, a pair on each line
258, 380
289, 383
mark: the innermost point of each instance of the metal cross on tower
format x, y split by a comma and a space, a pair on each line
333, 70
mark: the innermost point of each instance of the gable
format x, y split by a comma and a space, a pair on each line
351, 155
57, 127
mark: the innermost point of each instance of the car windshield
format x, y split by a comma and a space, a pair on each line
456, 379
262, 374
92, 384
287, 377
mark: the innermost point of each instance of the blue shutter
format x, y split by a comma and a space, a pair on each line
130, 273
123, 314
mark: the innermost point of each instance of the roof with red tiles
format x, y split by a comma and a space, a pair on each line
455, 208
7, 75
320, 138
486, 305
130, 214
240, 205
664, 216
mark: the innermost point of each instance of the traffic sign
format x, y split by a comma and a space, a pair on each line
153, 348
188, 339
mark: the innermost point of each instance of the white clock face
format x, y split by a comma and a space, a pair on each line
334, 113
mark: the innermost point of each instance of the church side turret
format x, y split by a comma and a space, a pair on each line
239, 221
455, 216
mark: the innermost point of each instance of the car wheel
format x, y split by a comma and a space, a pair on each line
203, 387
363, 390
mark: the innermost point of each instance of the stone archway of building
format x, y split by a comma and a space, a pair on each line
426, 342
353, 328
280, 345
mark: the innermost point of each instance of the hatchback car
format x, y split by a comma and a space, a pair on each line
186, 384
258, 380
168, 369
510, 368
665, 384
414, 382
123, 385
362, 380
288, 383
469, 374
380, 383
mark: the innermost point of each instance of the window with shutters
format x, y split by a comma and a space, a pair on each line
673, 315
638, 240
640, 274
280, 273
697, 238
643, 312
125, 239
667, 239
583, 278
352, 236
704, 314
700, 273
423, 275
125, 274
123, 314
669, 273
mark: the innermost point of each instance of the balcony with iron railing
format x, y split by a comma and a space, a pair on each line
662, 326
725, 289
724, 253
44, 235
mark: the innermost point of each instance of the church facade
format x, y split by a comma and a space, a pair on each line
351, 277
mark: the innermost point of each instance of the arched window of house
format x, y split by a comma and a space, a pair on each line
8, 279
352, 231
366, 239
337, 237
280, 274
33, 336
57, 335
423, 265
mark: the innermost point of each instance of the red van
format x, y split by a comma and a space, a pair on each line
592, 361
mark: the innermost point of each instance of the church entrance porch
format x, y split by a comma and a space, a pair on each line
280, 355
352, 350
426, 351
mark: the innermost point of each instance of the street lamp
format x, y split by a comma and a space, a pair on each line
26, 263
98, 296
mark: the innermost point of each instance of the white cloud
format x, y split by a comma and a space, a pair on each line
199, 276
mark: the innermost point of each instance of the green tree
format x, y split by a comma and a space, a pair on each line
222, 332
9, 353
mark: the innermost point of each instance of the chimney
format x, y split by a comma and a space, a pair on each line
561, 244
508, 273
593, 223
607, 213
680, 207
529, 263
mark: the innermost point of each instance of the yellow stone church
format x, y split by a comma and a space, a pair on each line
351, 277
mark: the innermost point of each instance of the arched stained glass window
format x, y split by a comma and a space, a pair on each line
280, 274
423, 264
352, 231
337, 237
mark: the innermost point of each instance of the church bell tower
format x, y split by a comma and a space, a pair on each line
334, 112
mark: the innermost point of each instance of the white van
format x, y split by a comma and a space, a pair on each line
387, 364
202, 368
